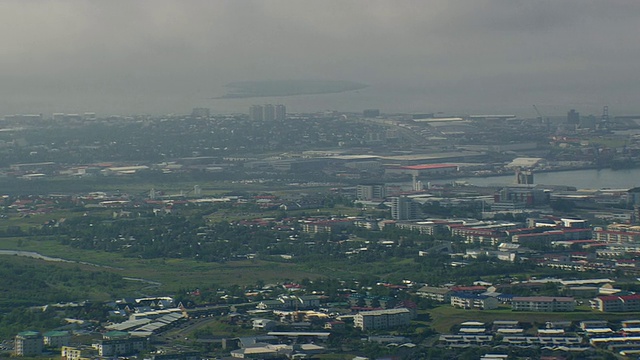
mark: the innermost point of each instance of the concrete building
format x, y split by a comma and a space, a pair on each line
255, 113
479, 236
78, 352
281, 112
371, 192
526, 196
439, 294
548, 237
524, 177
613, 303
382, 319
268, 112
326, 226
422, 170
573, 117
619, 237
543, 303
28, 343
56, 338
473, 301
403, 208
121, 347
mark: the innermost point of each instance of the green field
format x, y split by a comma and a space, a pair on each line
173, 274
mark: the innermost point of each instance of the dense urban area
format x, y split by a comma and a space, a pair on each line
329, 235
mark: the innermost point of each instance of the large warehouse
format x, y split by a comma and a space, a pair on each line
422, 170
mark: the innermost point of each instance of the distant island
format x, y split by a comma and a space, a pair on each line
249, 89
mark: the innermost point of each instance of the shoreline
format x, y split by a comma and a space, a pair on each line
539, 171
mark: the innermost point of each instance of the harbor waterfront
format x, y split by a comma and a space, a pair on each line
581, 179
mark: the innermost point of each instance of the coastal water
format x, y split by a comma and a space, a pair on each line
581, 179
387, 98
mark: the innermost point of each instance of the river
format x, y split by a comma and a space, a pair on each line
581, 179
35, 255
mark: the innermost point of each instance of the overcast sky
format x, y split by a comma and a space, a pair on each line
161, 56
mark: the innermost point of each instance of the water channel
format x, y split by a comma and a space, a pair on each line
581, 179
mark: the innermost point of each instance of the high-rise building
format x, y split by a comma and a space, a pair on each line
268, 112
524, 177
371, 192
255, 113
281, 112
573, 117
403, 208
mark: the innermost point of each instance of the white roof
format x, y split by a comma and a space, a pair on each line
524, 162
472, 323
471, 330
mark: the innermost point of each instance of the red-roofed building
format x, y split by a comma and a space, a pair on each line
326, 226
629, 263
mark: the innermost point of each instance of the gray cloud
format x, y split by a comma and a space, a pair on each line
167, 56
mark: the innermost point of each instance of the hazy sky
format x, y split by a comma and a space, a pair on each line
160, 56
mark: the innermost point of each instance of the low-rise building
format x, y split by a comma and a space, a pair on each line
121, 347
78, 352
56, 338
382, 319
439, 294
616, 303
462, 340
543, 303
473, 301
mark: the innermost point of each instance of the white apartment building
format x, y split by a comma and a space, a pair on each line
382, 319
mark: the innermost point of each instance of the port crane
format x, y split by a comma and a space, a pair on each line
541, 118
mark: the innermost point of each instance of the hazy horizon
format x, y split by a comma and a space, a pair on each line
159, 56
